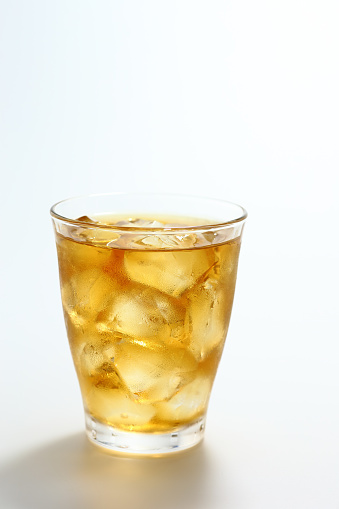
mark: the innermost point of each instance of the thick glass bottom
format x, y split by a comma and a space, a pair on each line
130, 442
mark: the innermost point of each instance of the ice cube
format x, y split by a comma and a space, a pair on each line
172, 272
163, 241
86, 294
91, 358
97, 358
93, 234
228, 261
97, 236
128, 239
209, 316
209, 311
87, 219
153, 372
212, 237
116, 408
140, 312
151, 240
188, 403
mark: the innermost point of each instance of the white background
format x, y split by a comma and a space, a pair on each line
229, 99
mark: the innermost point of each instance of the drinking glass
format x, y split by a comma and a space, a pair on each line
147, 284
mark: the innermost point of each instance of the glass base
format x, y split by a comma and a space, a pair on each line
131, 442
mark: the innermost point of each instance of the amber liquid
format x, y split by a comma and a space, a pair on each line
146, 326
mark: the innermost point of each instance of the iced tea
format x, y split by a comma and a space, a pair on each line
147, 317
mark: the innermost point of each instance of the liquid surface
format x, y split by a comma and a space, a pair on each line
142, 220
146, 325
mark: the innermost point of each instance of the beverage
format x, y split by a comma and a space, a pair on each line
146, 311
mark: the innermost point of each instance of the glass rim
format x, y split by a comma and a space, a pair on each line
206, 226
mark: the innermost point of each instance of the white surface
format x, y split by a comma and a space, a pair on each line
234, 100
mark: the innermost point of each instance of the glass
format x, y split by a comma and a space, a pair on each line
147, 284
